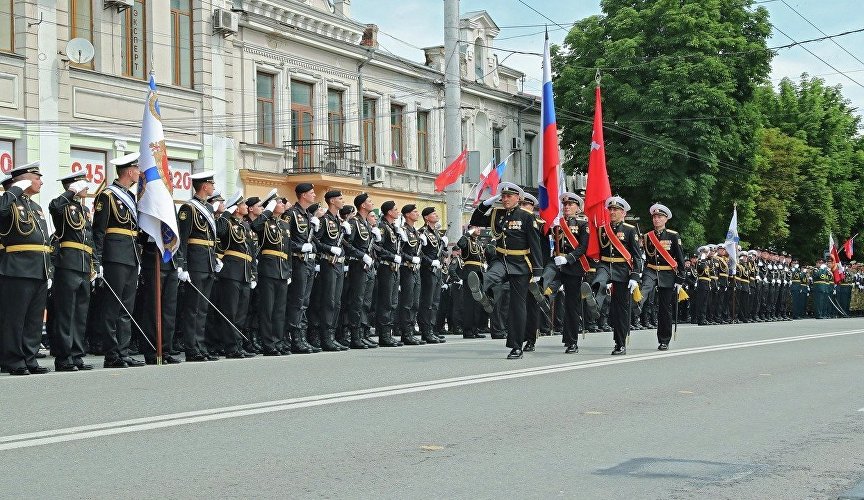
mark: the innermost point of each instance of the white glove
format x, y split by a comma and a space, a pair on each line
488, 202
424, 239
315, 222
444, 241
367, 259
347, 227
485, 266
253, 284
445, 286
377, 233
560, 260
415, 259
677, 288
317, 268
402, 234
436, 264
49, 283
534, 279
306, 248
78, 186
219, 265
397, 259
345, 269
270, 206
289, 281
632, 285
337, 251
215, 205
100, 273
473, 231
182, 275
609, 289
23, 184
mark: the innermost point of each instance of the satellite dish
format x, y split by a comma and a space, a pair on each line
80, 50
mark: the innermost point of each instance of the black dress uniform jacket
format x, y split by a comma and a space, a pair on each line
655, 263
197, 236
517, 242
274, 239
74, 234
619, 270
579, 228
115, 229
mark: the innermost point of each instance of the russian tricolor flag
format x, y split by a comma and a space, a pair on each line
550, 177
491, 177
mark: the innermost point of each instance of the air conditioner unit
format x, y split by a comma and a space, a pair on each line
376, 173
120, 5
225, 22
516, 144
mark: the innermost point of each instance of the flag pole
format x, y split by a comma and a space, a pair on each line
158, 292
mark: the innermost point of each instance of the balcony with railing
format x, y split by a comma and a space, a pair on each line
324, 157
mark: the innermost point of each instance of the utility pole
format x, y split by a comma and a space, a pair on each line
452, 115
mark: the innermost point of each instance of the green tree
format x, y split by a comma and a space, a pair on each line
676, 78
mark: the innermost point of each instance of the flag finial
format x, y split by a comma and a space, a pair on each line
597, 77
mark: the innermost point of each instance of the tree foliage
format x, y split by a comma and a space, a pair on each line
691, 121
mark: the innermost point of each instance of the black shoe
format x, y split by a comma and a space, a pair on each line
499, 336
41, 355
38, 370
66, 368
271, 352
132, 362
170, 360
572, 348
83, 366
663, 347
235, 355
19, 371
516, 353
211, 357
619, 351
410, 340
529, 347
432, 339
389, 343
114, 363
477, 293
196, 358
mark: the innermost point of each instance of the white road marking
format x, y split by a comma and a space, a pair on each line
40, 438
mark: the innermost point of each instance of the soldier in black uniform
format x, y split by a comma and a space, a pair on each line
431, 255
324, 312
238, 277
387, 282
570, 267
274, 275
26, 271
73, 264
664, 270
359, 248
518, 253
368, 316
197, 227
474, 260
704, 271
742, 289
117, 255
409, 276
302, 226
618, 269
537, 305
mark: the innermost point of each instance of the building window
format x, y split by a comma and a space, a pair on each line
369, 152
301, 123
528, 147
81, 12
133, 54
7, 26
397, 114
335, 118
423, 141
265, 108
496, 145
478, 61
181, 42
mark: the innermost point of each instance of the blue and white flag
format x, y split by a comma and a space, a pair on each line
732, 240
156, 214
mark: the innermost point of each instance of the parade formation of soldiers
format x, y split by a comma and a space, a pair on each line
274, 277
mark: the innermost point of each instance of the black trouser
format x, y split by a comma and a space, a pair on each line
742, 305
168, 284
297, 297
67, 312
619, 312
409, 300
665, 303
368, 295
234, 304
572, 307
116, 325
445, 308
356, 294
470, 308
328, 284
22, 301
271, 297
386, 302
533, 319
517, 300
430, 297
700, 302
501, 311
194, 312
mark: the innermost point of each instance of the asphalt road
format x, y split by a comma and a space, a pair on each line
770, 410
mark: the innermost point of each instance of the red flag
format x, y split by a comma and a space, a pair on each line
847, 248
453, 171
597, 190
